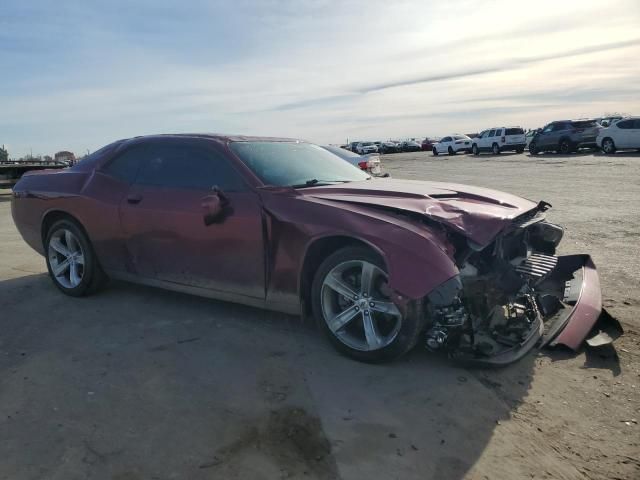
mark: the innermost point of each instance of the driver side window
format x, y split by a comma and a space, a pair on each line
187, 167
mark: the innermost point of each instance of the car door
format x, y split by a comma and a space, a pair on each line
481, 140
444, 144
545, 139
489, 140
624, 133
171, 234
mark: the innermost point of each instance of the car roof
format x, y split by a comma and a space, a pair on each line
222, 138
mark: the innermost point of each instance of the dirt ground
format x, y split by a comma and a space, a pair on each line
137, 383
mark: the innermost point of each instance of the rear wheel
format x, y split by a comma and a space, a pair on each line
565, 147
450, 151
608, 146
351, 305
495, 149
71, 262
475, 150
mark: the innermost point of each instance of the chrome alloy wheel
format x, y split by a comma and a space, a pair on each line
66, 258
356, 310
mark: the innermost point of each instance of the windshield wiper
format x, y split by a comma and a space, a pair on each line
315, 182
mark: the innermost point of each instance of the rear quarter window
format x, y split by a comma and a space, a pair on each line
126, 165
514, 131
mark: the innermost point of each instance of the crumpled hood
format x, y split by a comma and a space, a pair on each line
477, 213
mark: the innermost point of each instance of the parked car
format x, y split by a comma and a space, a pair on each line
565, 136
529, 136
622, 134
608, 121
364, 148
369, 163
427, 144
497, 140
410, 146
452, 144
389, 147
381, 264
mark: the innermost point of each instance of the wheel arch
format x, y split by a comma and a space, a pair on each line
416, 264
54, 215
320, 248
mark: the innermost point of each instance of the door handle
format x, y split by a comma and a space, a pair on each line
134, 198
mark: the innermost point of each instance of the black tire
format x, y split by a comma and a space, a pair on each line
608, 146
93, 277
533, 148
450, 151
495, 149
475, 150
519, 150
565, 147
412, 324
435, 151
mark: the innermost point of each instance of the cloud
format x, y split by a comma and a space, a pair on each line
79, 74
510, 64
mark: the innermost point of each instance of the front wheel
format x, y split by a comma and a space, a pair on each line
495, 149
351, 304
565, 147
608, 146
475, 150
450, 151
71, 262
435, 152
533, 148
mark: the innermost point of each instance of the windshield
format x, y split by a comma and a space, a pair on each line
461, 137
295, 163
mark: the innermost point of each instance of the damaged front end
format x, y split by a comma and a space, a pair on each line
513, 295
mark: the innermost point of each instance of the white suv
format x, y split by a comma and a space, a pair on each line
620, 134
364, 148
498, 140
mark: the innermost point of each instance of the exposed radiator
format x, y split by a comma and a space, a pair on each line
537, 266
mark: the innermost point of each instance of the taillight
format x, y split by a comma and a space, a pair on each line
363, 165
503, 139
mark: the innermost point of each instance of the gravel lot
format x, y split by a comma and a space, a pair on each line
137, 383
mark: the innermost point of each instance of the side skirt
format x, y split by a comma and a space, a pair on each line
288, 308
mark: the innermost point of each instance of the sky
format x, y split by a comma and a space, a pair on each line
76, 75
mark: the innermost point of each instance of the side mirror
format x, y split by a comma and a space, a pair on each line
215, 207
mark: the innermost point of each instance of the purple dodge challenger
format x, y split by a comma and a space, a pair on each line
381, 264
